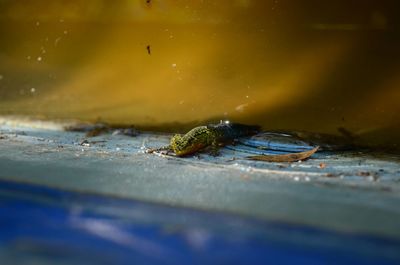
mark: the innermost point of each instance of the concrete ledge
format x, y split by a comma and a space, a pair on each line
353, 192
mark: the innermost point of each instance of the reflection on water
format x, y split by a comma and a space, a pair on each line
308, 65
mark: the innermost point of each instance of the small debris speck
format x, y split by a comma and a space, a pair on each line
331, 175
364, 174
84, 143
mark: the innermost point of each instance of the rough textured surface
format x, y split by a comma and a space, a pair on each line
350, 192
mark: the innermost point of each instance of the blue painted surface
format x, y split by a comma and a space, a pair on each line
48, 226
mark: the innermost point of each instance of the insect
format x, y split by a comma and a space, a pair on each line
213, 135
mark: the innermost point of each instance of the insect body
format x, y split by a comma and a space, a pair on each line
196, 139
212, 136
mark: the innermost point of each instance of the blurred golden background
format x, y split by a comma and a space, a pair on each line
304, 65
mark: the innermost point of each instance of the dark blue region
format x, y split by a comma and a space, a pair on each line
41, 225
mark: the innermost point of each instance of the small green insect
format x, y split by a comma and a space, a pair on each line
202, 137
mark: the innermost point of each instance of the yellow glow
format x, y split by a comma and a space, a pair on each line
249, 61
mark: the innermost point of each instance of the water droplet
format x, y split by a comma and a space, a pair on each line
39, 58
173, 65
1, 77
33, 90
37, 24
65, 32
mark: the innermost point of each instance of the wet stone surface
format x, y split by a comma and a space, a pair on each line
345, 191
